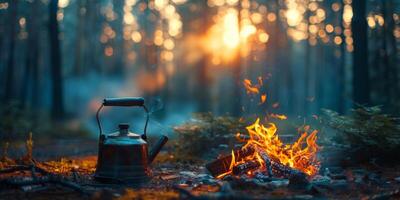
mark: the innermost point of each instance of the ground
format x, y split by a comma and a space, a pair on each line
174, 179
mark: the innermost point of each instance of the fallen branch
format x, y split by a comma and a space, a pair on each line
32, 168
43, 180
47, 178
15, 169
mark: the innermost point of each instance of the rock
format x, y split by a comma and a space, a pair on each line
373, 178
226, 187
338, 176
339, 184
321, 180
204, 176
303, 196
29, 188
169, 177
188, 173
279, 183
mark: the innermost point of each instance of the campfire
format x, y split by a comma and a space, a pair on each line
264, 154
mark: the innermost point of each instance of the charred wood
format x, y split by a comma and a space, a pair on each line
221, 165
295, 176
245, 167
273, 168
267, 161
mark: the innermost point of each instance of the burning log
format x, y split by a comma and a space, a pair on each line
245, 167
267, 162
273, 168
221, 165
295, 176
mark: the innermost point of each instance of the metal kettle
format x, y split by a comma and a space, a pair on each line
123, 156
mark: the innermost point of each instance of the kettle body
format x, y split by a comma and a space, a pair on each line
124, 156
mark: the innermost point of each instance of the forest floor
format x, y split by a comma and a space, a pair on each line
71, 177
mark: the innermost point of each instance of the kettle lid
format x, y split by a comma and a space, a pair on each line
124, 132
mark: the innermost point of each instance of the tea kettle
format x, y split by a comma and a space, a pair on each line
123, 156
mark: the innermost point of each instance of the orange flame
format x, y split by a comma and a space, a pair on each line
250, 88
278, 116
263, 98
301, 155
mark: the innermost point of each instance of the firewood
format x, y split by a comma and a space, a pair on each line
267, 161
245, 167
221, 165
295, 176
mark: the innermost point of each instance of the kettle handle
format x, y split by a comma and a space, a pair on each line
124, 101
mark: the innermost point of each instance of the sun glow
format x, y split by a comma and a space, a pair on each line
230, 35
230, 29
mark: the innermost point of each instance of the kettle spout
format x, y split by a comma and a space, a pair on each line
157, 147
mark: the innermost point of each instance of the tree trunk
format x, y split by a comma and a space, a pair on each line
32, 58
203, 84
9, 85
390, 55
237, 74
80, 38
94, 22
119, 52
26, 79
341, 72
361, 88
57, 109
202, 94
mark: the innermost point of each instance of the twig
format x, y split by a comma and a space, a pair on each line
16, 168
217, 195
184, 192
75, 175
50, 178
33, 172
43, 171
384, 195
44, 180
